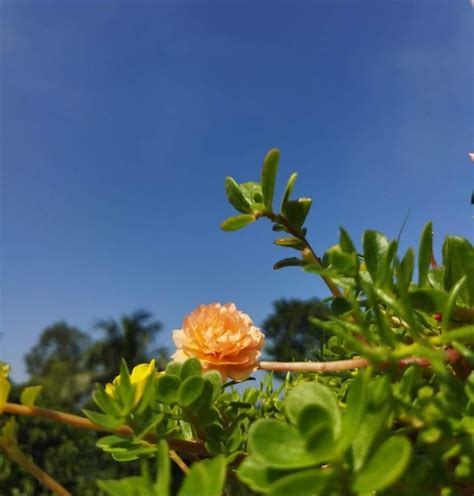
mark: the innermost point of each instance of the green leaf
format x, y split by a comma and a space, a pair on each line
252, 192
304, 483
279, 228
462, 334
384, 271
254, 473
124, 374
320, 442
407, 382
237, 222
405, 272
190, 367
125, 390
5, 387
131, 486
29, 394
289, 262
107, 404
205, 478
450, 302
429, 300
311, 416
125, 448
458, 261
167, 387
295, 243
288, 190
8, 432
111, 441
269, 173
150, 425
469, 387
436, 278
379, 392
375, 246
202, 405
357, 399
340, 305
215, 379
312, 393
345, 241
374, 425
105, 421
424, 253
236, 197
174, 368
163, 480
190, 390
268, 436
385, 467
344, 263
296, 211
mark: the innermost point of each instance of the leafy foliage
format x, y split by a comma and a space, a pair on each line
402, 424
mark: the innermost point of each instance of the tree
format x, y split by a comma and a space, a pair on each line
131, 338
290, 336
58, 362
58, 343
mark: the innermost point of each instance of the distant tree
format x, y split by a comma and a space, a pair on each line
290, 336
58, 343
131, 338
58, 362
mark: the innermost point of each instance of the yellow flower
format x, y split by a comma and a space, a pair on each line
222, 338
138, 378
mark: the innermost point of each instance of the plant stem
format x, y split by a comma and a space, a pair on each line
298, 233
179, 461
189, 447
29, 466
451, 356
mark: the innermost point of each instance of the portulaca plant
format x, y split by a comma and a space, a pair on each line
389, 411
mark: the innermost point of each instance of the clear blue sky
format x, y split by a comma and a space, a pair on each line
120, 120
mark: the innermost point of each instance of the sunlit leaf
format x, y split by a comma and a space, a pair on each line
236, 197
29, 394
269, 173
288, 190
237, 222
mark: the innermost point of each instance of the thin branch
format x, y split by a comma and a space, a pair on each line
321, 367
14, 452
179, 461
189, 447
298, 233
451, 356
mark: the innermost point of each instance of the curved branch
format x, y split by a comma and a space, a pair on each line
29, 466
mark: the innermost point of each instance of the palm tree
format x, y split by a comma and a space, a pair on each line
132, 338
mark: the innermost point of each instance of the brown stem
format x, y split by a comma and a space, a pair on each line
29, 466
321, 367
462, 314
297, 233
179, 461
451, 356
189, 447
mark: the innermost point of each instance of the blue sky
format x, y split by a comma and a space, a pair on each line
120, 120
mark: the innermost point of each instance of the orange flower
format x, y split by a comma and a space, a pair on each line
223, 338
